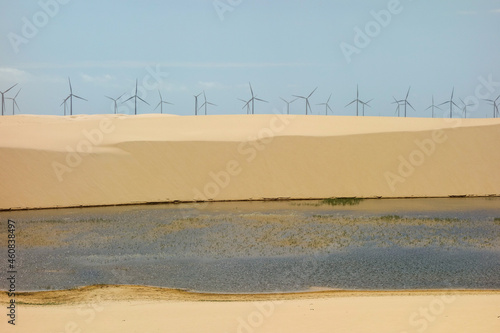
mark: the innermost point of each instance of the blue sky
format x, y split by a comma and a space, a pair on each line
284, 47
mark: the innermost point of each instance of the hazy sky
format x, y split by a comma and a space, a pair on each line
283, 47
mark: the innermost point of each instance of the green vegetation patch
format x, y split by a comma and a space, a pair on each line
342, 201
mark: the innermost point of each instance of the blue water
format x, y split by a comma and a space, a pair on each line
264, 247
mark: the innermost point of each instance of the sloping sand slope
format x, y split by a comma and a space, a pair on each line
51, 161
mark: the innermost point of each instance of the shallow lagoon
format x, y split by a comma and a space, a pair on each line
264, 246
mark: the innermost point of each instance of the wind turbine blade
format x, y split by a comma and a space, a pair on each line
70, 88
351, 103
10, 88
159, 93
157, 106
408, 93
110, 98
212, 104
242, 100
411, 106
120, 96
329, 99
299, 96
312, 92
251, 90
444, 103
143, 100
497, 98
369, 101
17, 93
293, 100
258, 99
128, 99
80, 98
328, 106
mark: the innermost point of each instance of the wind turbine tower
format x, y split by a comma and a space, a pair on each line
327, 106
14, 103
135, 97
115, 101
451, 102
433, 107
308, 105
288, 104
3, 97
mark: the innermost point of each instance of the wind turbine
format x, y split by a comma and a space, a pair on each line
71, 95
288, 104
365, 104
247, 105
64, 102
3, 98
196, 103
135, 97
206, 103
308, 106
254, 98
115, 100
357, 101
464, 109
433, 107
398, 108
405, 101
14, 103
451, 103
495, 106
327, 106
161, 103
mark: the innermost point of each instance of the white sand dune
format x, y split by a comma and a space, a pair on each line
51, 161
120, 310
